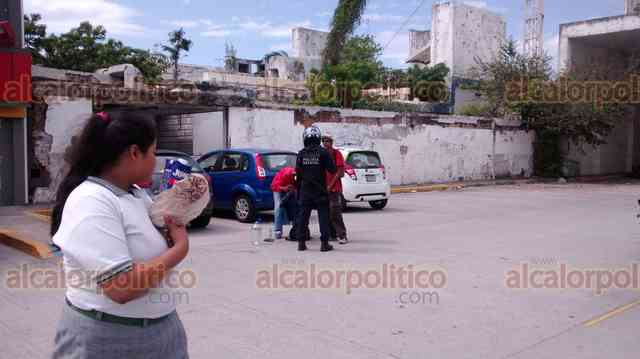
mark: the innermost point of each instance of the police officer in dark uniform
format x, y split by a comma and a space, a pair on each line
312, 165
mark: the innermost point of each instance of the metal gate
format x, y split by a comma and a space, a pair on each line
6, 162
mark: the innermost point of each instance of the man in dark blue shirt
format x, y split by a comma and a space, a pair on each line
312, 165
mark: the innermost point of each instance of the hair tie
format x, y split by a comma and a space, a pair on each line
103, 116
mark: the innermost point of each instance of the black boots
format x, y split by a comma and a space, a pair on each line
326, 247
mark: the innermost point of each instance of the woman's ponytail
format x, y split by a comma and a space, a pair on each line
102, 140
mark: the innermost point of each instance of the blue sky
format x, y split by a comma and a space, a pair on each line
259, 26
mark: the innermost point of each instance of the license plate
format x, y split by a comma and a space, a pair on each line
371, 178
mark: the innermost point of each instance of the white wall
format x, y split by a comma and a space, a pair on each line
478, 33
209, 130
422, 154
442, 35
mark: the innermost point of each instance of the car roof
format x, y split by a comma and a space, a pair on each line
253, 150
171, 152
353, 149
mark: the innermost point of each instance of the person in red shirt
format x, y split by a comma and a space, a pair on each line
283, 184
334, 186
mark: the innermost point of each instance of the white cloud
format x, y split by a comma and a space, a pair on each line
187, 2
480, 4
216, 33
484, 5
187, 24
268, 29
327, 13
62, 15
382, 18
286, 46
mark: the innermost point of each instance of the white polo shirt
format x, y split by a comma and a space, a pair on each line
103, 231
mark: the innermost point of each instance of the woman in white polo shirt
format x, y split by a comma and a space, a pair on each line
116, 261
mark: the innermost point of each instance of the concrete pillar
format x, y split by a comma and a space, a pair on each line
21, 195
225, 128
632, 7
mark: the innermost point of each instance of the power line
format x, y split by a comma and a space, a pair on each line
403, 25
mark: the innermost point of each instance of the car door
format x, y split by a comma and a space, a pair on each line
231, 170
208, 164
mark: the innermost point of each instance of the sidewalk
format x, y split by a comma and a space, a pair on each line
26, 229
461, 185
504, 182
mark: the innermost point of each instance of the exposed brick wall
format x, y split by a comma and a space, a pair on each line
176, 133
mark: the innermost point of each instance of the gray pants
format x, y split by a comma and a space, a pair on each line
80, 337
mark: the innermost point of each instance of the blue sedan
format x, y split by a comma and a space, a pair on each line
242, 178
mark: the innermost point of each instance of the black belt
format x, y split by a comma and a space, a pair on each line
110, 318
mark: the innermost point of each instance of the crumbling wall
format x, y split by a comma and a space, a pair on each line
63, 120
415, 148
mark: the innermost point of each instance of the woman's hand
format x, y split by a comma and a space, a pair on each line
177, 233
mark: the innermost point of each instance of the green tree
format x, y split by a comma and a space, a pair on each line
178, 43
34, 35
428, 83
87, 48
358, 68
584, 122
346, 18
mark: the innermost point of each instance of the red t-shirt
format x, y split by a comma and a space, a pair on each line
339, 160
285, 177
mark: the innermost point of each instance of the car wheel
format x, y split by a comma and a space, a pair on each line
379, 204
244, 209
201, 222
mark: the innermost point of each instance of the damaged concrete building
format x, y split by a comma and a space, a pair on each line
460, 34
611, 43
63, 100
307, 45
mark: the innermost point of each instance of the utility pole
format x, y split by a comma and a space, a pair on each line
533, 44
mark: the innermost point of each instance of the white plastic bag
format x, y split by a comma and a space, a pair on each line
185, 201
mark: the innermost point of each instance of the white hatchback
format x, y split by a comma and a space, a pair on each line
365, 178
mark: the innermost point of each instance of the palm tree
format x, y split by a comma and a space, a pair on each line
346, 18
177, 44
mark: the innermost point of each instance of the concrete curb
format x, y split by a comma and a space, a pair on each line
31, 247
458, 185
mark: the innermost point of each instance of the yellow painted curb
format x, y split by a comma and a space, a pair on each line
41, 214
414, 189
18, 241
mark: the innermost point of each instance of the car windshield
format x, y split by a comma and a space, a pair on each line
364, 159
274, 162
161, 160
